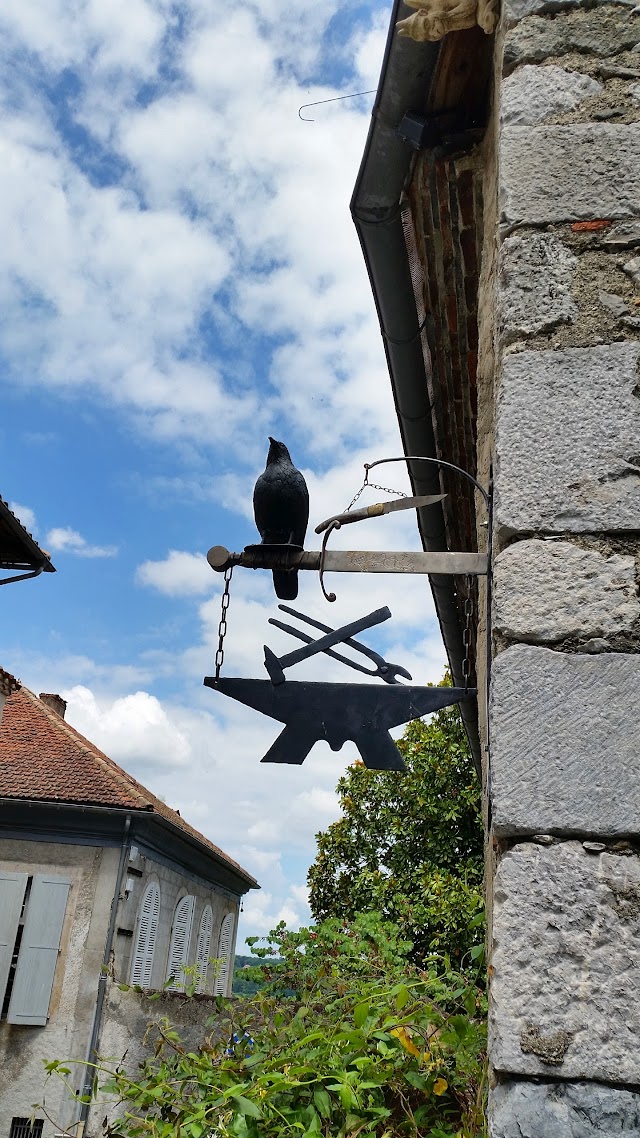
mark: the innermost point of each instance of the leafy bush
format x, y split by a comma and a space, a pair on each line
364, 1047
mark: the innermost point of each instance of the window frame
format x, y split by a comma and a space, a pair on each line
227, 929
143, 952
203, 948
180, 943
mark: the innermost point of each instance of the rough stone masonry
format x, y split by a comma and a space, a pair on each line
564, 719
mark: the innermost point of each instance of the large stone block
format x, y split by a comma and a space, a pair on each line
564, 741
600, 33
536, 271
549, 590
566, 964
562, 1110
552, 174
568, 441
532, 94
515, 10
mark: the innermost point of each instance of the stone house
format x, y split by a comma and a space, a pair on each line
498, 208
100, 881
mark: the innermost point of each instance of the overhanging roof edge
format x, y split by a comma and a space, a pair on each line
406, 79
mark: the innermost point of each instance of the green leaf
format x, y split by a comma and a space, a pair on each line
361, 1014
416, 1080
314, 1126
323, 1103
245, 1106
402, 997
470, 1002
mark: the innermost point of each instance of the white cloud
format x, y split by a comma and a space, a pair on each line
180, 574
300, 893
124, 275
62, 539
135, 730
25, 515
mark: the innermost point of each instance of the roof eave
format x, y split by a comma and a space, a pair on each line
145, 823
408, 83
35, 558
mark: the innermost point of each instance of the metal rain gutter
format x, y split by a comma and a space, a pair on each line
92, 1051
407, 75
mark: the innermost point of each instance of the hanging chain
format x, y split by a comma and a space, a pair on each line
466, 635
374, 486
356, 496
222, 627
388, 490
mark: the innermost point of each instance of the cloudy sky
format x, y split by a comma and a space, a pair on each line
180, 279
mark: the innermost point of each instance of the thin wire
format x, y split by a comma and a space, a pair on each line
336, 99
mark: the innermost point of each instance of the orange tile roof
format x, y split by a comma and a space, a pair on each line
43, 758
8, 683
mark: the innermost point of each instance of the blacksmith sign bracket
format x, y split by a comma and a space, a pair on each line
365, 561
333, 712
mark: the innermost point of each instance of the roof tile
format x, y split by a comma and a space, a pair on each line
43, 758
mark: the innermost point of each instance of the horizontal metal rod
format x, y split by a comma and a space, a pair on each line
352, 561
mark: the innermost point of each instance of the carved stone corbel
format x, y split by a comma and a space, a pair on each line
434, 19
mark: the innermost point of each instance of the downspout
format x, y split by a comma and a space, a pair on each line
87, 1089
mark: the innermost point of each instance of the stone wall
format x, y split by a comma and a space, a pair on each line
564, 722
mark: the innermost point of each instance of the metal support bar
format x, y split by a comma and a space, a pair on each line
351, 561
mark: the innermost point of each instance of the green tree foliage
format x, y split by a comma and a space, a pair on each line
383, 1051
409, 846
245, 981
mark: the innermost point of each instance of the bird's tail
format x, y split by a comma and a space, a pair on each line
285, 583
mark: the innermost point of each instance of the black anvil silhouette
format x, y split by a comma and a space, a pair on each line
337, 713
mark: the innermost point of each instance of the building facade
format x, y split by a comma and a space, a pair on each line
100, 883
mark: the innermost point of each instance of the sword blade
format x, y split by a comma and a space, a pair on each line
379, 508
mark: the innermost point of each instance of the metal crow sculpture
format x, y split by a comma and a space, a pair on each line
281, 510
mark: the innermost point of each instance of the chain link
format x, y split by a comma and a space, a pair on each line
466, 635
356, 496
388, 490
222, 627
374, 486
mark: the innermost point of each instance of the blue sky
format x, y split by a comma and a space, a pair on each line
180, 279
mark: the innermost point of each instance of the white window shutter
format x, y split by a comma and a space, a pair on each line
179, 950
148, 917
12, 887
225, 944
39, 949
203, 951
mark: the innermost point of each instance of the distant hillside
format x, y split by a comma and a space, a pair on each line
241, 986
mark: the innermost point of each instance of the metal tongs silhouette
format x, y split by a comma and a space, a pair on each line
384, 669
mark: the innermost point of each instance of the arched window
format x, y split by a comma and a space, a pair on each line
203, 951
225, 944
180, 937
148, 916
